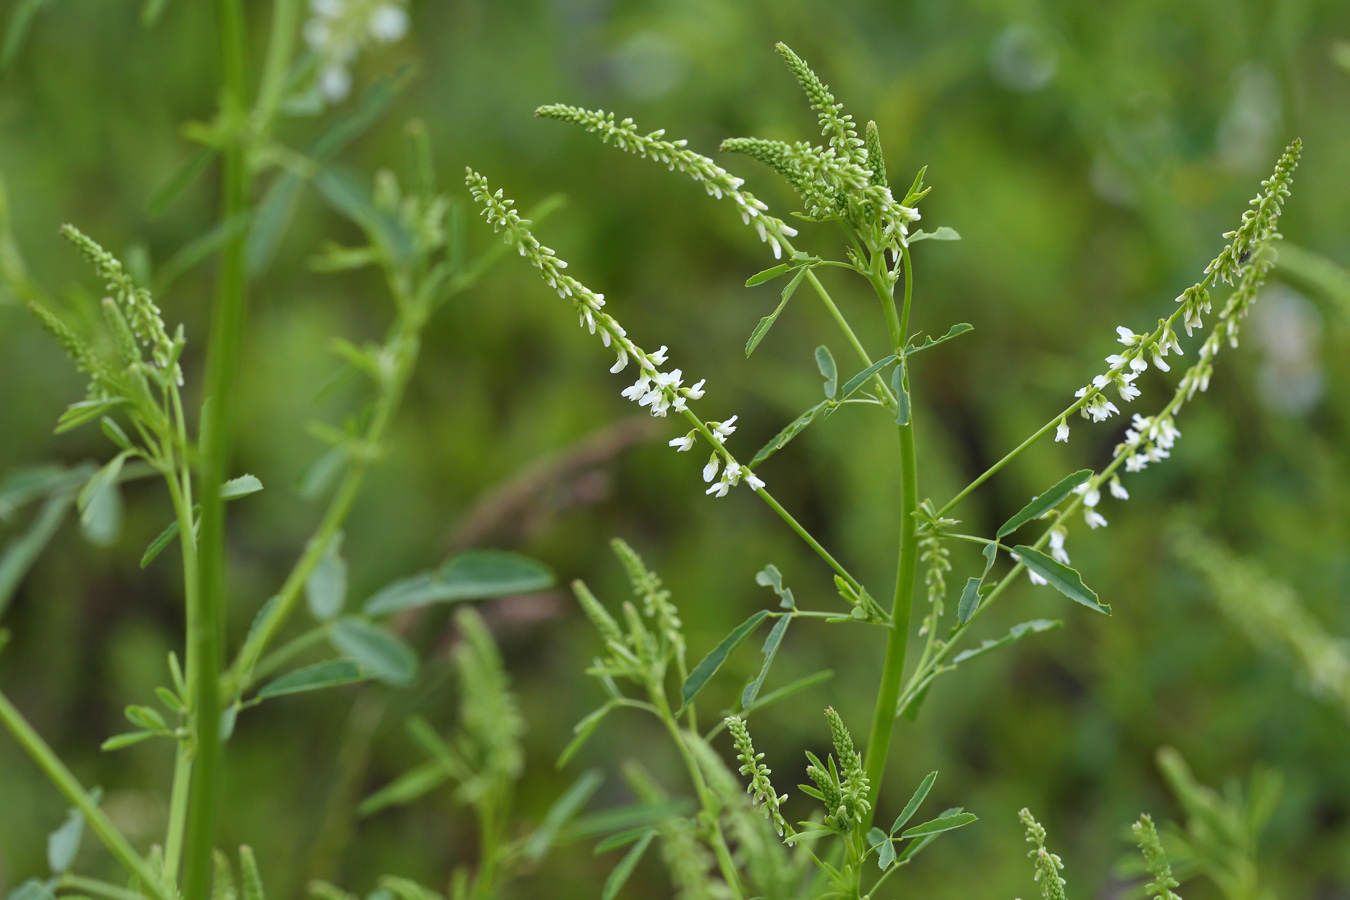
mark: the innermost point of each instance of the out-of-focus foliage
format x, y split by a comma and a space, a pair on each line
1089, 155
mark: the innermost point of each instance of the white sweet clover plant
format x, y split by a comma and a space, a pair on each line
742, 840
844, 181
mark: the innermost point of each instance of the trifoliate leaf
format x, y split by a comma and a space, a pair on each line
767, 322
379, 651
920, 794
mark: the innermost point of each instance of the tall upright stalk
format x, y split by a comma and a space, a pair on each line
206, 622
897, 638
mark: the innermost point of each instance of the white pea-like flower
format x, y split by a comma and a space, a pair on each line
1057, 536
1062, 431
682, 443
710, 470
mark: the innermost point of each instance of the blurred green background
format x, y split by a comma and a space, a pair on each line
1090, 157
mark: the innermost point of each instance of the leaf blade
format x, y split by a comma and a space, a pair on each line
717, 656
1062, 578
1045, 502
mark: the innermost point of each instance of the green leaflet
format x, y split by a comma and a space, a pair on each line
770, 650
767, 274
941, 233
1016, 633
475, 575
233, 489
180, 181
1047, 501
939, 825
84, 411
718, 655
793, 428
619, 876
406, 788
920, 794
770, 577
767, 322
64, 843
970, 600
582, 732
100, 503
21, 553
901, 389
958, 329
1062, 578
329, 673
564, 810
381, 652
326, 587
857, 380
828, 370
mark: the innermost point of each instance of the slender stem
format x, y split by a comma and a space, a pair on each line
180, 493
289, 650
902, 607
73, 791
280, 44
777, 507
178, 801
720, 849
241, 673
207, 626
839, 319
811, 542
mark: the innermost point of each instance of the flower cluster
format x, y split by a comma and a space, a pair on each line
716, 180
134, 305
657, 391
1048, 865
337, 31
760, 786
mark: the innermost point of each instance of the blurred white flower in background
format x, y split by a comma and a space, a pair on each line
1023, 58
1289, 330
338, 30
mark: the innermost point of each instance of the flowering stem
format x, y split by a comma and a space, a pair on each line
206, 624
778, 508
902, 607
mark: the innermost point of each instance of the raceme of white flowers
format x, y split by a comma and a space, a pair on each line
657, 391
338, 30
1244, 263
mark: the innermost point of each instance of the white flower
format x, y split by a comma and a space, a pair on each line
659, 357
1126, 389
753, 480
695, 390
388, 23
622, 362
1158, 359
710, 470
1057, 536
1091, 496
720, 488
1036, 579
732, 473
1062, 432
683, 443
1094, 518
638, 388
1138, 365
725, 429
1118, 490
1127, 337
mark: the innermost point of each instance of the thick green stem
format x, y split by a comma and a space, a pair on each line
897, 639
182, 782
74, 792
207, 625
